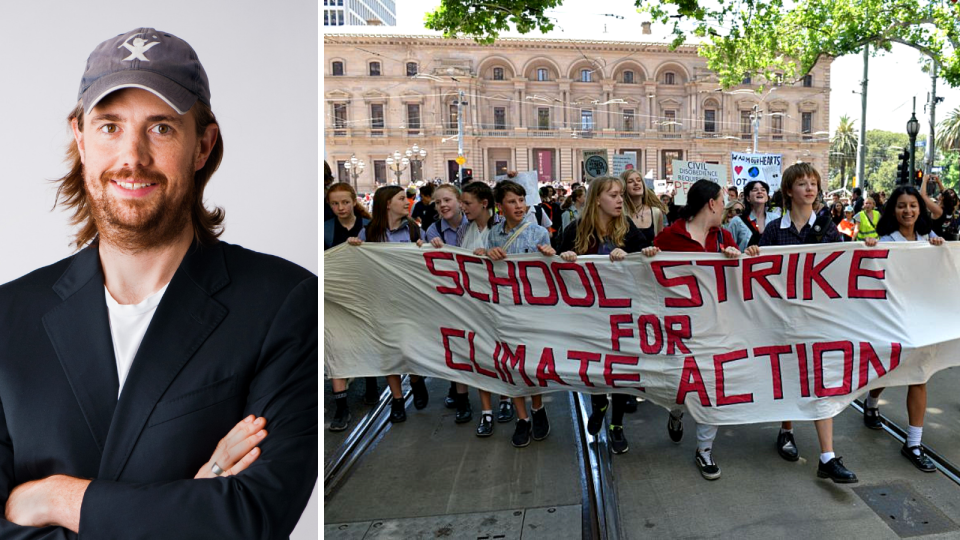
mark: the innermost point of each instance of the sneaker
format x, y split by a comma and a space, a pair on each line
921, 461
618, 441
541, 426
372, 395
485, 427
787, 447
871, 417
450, 401
835, 471
464, 410
420, 395
675, 426
630, 406
340, 420
398, 413
505, 414
521, 436
708, 467
596, 418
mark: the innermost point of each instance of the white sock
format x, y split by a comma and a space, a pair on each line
786, 430
536, 410
913, 437
871, 401
486, 413
826, 457
705, 452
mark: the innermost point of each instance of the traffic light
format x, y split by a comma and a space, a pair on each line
467, 176
919, 177
903, 168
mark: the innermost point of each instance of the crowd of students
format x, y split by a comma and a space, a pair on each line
618, 216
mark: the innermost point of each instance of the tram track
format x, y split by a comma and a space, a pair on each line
601, 511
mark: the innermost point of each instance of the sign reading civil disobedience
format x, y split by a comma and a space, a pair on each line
794, 333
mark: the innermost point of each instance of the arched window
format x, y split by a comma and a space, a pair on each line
337, 69
411, 69
628, 77
585, 75
498, 73
374, 69
669, 78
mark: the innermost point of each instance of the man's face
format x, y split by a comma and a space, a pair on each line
139, 157
513, 207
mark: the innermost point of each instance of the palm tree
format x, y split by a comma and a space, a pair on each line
843, 147
948, 137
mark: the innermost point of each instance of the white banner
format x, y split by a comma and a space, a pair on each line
747, 167
686, 173
793, 334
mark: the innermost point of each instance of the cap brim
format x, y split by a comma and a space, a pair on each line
177, 97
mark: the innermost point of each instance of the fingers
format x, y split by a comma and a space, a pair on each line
437, 243
937, 241
419, 243
870, 242
354, 241
245, 462
650, 251
244, 453
480, 252
547, 250
731, 253
569, 256
244, 436
752, 251
618, 255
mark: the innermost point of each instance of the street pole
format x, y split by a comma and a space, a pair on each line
862, 143
460, 136
756, 126
931, 150
913, 144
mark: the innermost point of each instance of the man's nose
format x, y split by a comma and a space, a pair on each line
135, 150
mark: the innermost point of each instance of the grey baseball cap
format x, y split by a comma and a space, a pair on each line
145, 58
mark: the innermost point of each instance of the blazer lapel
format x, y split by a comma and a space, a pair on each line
79, 329
185, 318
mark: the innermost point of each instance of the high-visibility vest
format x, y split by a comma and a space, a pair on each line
867, 229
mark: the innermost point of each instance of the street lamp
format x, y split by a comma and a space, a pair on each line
354, 168
913, 127
397, 163
416, 155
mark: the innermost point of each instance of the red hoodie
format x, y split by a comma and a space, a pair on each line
676, 238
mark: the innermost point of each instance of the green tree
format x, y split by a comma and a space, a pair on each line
948, 137
843, 148
757, 37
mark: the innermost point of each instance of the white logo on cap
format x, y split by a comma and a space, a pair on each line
138, 47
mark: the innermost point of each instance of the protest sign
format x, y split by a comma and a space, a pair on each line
733, 340
527, 179
624, 162
686, 173
747, 167
595, 163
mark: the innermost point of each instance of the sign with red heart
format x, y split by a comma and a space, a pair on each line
738, 168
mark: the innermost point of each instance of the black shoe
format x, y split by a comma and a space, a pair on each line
922, 461
420, 395
521, 436
450, 401
595, 422
871, 417
485, 427
835, 471
341, 419
787, 447
630, 406
398, 413
372, 395
618, 441
505, 414
464, 410
675, 427
541, 426
708, 467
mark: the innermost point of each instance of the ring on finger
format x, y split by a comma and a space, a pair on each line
216, 470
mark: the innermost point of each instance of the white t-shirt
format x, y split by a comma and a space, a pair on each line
128, 324
474, 238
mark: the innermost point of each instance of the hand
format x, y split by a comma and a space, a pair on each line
870, 242
419, 243
752, 251
618, 255
650, 251
480, 252
936, 180
731, 253
237, 450
54, 500
937, 241
547, 250
569, 256
497, 254
437, 242
354, 241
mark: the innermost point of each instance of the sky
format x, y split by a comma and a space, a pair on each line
894, 78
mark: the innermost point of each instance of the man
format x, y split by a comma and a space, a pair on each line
857, 201
425, 212
121, 366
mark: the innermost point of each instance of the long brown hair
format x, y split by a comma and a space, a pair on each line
72, 195
358, 209
649, 197
380, 221
588, 226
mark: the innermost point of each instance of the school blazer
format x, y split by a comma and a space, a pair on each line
234, 334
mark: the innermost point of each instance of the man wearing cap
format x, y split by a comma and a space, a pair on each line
122, 366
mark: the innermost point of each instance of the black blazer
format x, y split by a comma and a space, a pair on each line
234, 334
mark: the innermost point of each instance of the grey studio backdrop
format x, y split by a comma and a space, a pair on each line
262, 61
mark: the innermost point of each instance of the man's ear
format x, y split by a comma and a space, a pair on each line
77, 136
205, 145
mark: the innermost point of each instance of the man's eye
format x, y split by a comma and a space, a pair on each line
108, 128
161, 129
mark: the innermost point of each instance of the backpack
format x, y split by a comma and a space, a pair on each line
754, 231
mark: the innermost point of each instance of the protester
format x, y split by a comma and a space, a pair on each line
741, 232
857, 201
517, 234
350, 217
847, 226
449, 230
477, 203
390, 223
757, 194
604, 229
732, 194
698, 230
642, 205
866, 220
944, 213
424, 212
546, 205
572, 206
801, 225
836, 212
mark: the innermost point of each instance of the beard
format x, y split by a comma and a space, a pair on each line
136, 225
